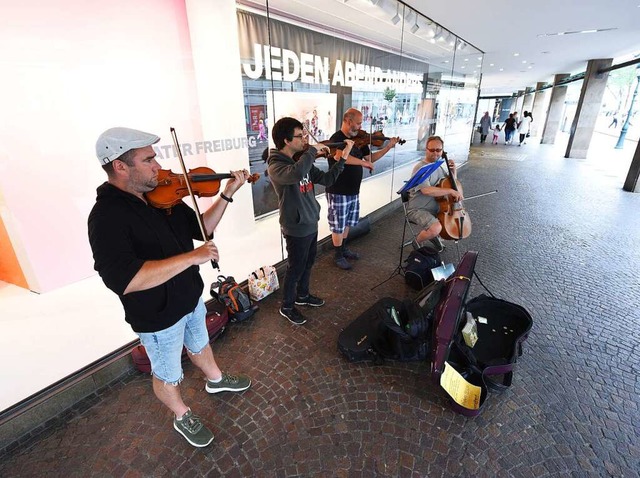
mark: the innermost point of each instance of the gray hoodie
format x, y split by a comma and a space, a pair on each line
293, 182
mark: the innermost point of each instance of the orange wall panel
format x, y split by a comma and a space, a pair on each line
10, 270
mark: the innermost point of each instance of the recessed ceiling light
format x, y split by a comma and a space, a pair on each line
490, 64
593, 30
466, 59
516, 54
524, 61
501, 69
462, 67
479, 58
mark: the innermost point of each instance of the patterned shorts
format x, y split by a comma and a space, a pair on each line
343, 211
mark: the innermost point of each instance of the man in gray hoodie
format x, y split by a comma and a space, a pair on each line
299, 210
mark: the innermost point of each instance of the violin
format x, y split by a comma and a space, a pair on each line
454, 220
377, 139
333, 147
172, 188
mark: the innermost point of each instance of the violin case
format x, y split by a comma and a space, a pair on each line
502, 327
216, 320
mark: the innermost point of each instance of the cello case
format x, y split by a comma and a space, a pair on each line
502, 327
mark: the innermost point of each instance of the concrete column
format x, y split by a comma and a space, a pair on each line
588, 108
527, 102
519, 103
631, 183
495, 115
556, 107
538, 109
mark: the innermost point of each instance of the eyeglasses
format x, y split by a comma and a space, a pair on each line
298, 136
434, 150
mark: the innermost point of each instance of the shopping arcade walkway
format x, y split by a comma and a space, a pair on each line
559, 238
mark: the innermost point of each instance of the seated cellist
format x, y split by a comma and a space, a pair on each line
423, 207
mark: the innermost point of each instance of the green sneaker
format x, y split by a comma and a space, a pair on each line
229, 383
190, 427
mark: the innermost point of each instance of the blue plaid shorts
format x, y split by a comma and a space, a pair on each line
343, 211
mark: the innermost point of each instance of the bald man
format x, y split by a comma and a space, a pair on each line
343, 196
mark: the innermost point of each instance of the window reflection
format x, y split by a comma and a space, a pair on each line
407, 75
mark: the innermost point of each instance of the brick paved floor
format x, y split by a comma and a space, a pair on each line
559, 238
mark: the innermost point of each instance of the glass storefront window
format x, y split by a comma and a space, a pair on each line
408, 76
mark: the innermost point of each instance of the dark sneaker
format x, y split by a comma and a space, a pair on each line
190, 427
343, 264
349, 254
433, 245
438, 244
294, 315
229, 383
311, 300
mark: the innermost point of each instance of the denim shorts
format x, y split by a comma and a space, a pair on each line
164, 348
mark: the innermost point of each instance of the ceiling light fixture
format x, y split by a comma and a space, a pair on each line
396, 19
415, 26
374, 2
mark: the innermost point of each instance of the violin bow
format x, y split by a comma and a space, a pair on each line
371, 145
205, 236
310, 133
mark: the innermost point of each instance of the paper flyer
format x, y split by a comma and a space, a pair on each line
459, 389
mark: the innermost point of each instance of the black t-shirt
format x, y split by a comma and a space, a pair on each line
510, 124
348, 183
124, 233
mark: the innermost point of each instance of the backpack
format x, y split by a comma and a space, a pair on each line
403, 333
417, 273
228, 292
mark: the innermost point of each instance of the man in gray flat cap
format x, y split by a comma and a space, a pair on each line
147, 258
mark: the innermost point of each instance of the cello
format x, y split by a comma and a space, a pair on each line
454, 220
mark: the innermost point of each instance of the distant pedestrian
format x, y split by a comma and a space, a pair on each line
524, 127
509, 128
485, 126
614, 121
496, 133
262, 131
